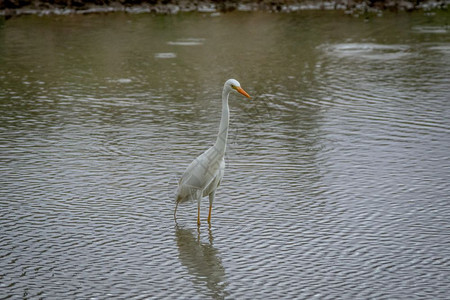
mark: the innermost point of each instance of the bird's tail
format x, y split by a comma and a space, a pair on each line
178, 199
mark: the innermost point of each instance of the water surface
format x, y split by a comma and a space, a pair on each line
338, 175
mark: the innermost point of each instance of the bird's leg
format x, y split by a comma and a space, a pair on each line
211, 199
175, 212
198, 210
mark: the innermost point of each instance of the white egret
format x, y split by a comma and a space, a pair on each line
203, 175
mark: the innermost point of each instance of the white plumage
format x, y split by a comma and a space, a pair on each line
204, 174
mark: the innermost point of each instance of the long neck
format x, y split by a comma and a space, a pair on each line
221, 142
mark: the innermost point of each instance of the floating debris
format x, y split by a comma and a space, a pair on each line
121, 80
187, 42
368, 50
165, 55
432, 29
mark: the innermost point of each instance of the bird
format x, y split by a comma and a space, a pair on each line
204, 174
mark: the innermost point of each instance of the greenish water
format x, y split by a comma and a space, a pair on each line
338, 169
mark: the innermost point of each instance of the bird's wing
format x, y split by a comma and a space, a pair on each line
203, 170
216, 181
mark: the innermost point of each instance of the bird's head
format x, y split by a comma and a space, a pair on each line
234, 85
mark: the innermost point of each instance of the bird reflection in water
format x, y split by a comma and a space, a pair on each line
202, 261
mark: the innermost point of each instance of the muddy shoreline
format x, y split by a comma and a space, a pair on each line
9, 8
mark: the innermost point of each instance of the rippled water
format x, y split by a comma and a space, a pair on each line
338, 172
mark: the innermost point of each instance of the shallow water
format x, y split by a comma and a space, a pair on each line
338, 175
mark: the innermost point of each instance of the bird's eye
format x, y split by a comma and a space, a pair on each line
233, 86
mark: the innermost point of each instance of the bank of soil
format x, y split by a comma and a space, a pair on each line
18, 7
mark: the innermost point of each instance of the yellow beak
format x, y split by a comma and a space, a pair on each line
240, 90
